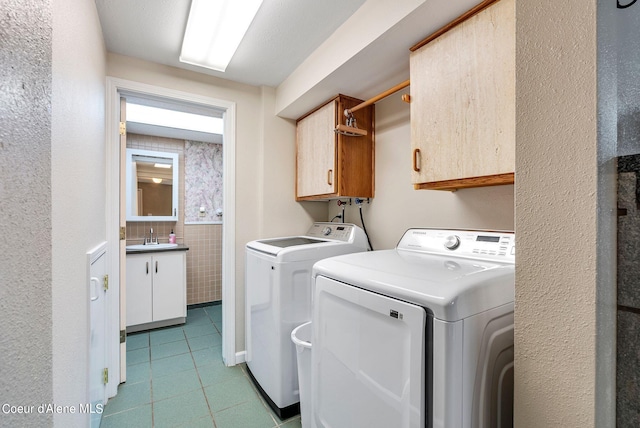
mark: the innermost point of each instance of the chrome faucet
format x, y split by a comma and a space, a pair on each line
151, 240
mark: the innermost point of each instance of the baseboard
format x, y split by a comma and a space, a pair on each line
241, 357
204, 304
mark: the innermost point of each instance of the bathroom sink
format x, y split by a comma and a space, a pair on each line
151, 247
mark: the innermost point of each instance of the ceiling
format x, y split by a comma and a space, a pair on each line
371, 39
282, 35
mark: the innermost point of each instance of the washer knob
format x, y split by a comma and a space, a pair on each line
452, 242
326, 231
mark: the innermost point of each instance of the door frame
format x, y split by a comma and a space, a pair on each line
113, 88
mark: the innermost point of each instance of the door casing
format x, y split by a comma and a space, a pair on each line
114, 87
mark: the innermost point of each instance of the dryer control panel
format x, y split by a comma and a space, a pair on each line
477, 244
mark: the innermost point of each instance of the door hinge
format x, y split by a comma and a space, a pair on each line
123, 233
106, 282
105, 376
123, 128
123, 336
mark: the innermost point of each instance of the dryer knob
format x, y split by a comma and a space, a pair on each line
452, 242
326, 231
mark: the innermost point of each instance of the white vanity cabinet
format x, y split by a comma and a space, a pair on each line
156, 293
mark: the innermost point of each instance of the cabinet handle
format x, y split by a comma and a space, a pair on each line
156, 266
147, 268
330, 177
416, 154
95, 282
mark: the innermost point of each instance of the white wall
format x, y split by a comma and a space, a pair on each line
78, 191
397, 207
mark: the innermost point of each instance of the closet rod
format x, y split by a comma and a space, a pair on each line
380, 96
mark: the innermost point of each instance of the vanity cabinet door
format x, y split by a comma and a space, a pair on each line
169, 285
139, 289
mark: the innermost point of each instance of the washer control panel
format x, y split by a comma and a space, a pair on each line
478, 244
337, 231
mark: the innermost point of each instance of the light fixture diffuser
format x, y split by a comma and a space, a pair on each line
174, 119
214, 31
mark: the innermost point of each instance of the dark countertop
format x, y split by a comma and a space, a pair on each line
151, 249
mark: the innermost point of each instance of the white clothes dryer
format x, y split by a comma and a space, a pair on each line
417, 336
278, 299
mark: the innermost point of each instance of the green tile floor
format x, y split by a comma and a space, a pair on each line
176, 378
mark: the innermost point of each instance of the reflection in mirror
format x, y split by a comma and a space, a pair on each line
152, 185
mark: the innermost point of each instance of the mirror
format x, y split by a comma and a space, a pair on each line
152, 185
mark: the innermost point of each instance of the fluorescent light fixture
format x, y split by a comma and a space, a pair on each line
157, 180
174, 119
162, 165
214, 31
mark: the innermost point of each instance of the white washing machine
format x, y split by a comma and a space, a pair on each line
418, 336
278, 299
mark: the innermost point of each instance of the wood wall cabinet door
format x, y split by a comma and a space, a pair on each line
331, 165
463, 103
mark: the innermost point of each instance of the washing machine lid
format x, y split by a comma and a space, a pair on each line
291, 241
453, 288
323, 239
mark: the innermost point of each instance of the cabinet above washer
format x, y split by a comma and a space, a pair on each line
329, 164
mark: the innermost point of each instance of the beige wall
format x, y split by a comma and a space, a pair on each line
561, 316
398, 207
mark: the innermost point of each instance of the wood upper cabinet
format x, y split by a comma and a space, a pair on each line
463, 103
331, 165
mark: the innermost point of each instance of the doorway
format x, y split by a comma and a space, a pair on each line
116, 87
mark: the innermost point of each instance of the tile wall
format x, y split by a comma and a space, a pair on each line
628, 336
204, 258
204, 262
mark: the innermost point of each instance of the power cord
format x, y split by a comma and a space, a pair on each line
359, 204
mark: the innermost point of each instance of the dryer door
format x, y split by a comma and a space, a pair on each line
368, 359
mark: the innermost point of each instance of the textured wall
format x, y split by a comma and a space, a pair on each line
556, 224
25, 208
